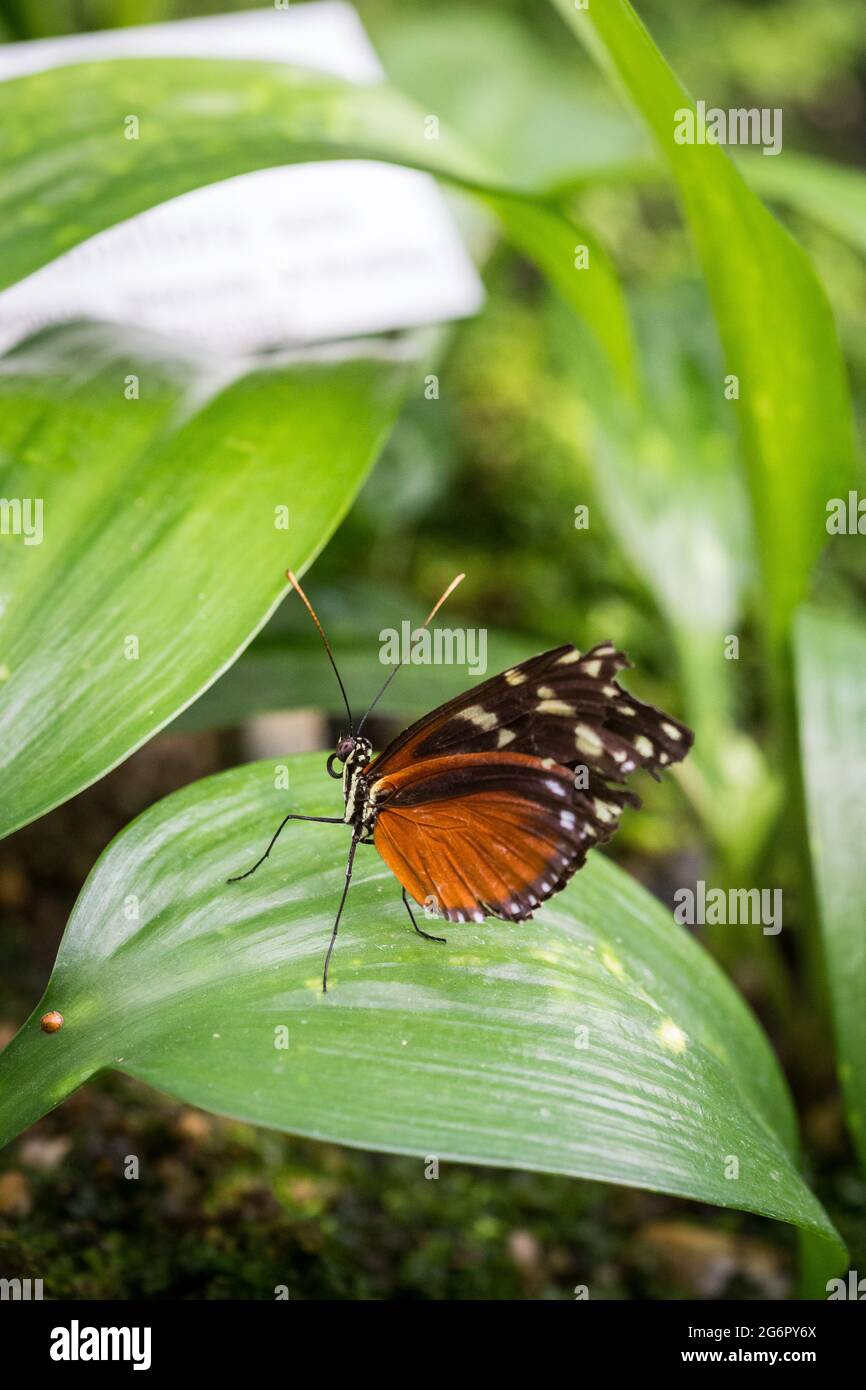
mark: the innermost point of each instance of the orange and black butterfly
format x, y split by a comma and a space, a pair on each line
489, 804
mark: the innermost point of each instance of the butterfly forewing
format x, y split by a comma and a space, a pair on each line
559, 705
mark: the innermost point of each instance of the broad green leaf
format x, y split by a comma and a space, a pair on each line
163, 549
202, 121
774, 319
598, 1040
831, 693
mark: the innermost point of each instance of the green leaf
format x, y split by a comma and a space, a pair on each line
202, 121
512, 95
831, 687
833, 195
774, 319
598, 1040
159, 520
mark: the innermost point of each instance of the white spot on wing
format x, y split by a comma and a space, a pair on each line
480, 717
555, 707
557, 788
587, 739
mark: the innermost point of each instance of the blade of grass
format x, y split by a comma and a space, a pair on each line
831, 689
773, 317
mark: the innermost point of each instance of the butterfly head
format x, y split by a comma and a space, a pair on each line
352, 749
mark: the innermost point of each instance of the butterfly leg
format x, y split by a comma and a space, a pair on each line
325, 820
349, 863
426, 935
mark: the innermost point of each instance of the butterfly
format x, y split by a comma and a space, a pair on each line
488, 805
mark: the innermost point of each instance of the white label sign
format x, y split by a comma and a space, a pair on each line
295, 255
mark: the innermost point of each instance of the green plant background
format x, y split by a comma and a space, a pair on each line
699, 529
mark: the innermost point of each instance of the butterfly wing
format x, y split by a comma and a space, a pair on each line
489, 834
560, 705
478, 804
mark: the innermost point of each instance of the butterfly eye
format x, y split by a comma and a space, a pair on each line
344, 750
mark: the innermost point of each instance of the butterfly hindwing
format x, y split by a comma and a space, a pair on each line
496, 834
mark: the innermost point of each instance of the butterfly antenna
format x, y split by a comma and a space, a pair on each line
309, 607
426, 623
